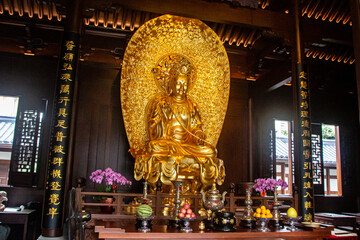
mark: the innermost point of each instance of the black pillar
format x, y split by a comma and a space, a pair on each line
302, 122
53, 210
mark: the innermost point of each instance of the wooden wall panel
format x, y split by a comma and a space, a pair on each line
32, 78
100, 139
233, 143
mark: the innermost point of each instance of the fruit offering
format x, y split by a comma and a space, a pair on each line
291, 212
144, 210
262, 212
186, 212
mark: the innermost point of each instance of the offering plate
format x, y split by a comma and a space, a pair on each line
262, 227
292, 221
186, 227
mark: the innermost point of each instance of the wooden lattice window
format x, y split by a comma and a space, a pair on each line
268, 164
326, 162
26, 148
331, 160
317, 158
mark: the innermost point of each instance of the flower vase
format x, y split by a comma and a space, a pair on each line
107, 209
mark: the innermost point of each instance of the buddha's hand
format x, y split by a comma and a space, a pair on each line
200, 137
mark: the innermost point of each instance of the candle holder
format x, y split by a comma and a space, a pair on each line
145, 199
174, 220
276, 221
186, 227
292, 221
145, 224
248, 220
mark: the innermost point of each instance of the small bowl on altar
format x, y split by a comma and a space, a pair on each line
187, 220
262, 227
143, 224
291, 221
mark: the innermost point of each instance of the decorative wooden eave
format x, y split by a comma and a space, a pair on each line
238, 27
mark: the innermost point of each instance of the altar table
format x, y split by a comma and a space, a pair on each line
357, 215
336, 219
26, 217
111, 231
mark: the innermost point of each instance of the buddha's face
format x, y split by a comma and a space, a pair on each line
180, 85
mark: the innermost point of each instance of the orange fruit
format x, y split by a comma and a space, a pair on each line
254, 214
263, 216
258, 215
268, 211
269, 215
258, 210
262, 207
263, 211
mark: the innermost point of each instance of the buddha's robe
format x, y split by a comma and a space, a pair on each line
177, 145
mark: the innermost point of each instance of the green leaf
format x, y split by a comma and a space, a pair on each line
108, 188
99, 188
97, 198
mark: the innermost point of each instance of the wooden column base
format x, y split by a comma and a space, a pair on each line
48, 232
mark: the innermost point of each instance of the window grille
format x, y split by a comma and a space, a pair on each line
26, 147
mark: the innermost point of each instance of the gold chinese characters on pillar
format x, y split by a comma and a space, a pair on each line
175, 86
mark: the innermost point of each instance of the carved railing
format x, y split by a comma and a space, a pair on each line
125, 205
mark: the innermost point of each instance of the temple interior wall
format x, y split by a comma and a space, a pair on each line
100, 139
33, 79
331, 103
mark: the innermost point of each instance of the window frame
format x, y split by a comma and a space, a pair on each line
318, 188
34, 178
7, 147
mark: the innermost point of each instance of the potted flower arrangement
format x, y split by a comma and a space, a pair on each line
111, 179
269, 184
262, 185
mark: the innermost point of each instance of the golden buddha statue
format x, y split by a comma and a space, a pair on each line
173, 124
177, 147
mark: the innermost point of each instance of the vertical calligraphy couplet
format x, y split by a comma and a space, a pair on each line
58, 153
305, 161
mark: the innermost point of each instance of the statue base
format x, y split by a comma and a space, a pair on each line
175, 223
276, 223
248, 223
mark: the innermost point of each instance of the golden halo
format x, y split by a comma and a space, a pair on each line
152, 42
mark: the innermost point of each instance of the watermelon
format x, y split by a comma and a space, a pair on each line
144, 210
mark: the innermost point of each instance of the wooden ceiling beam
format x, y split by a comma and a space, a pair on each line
273, 79
262, 48
207, 11
316, 31
278, 22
